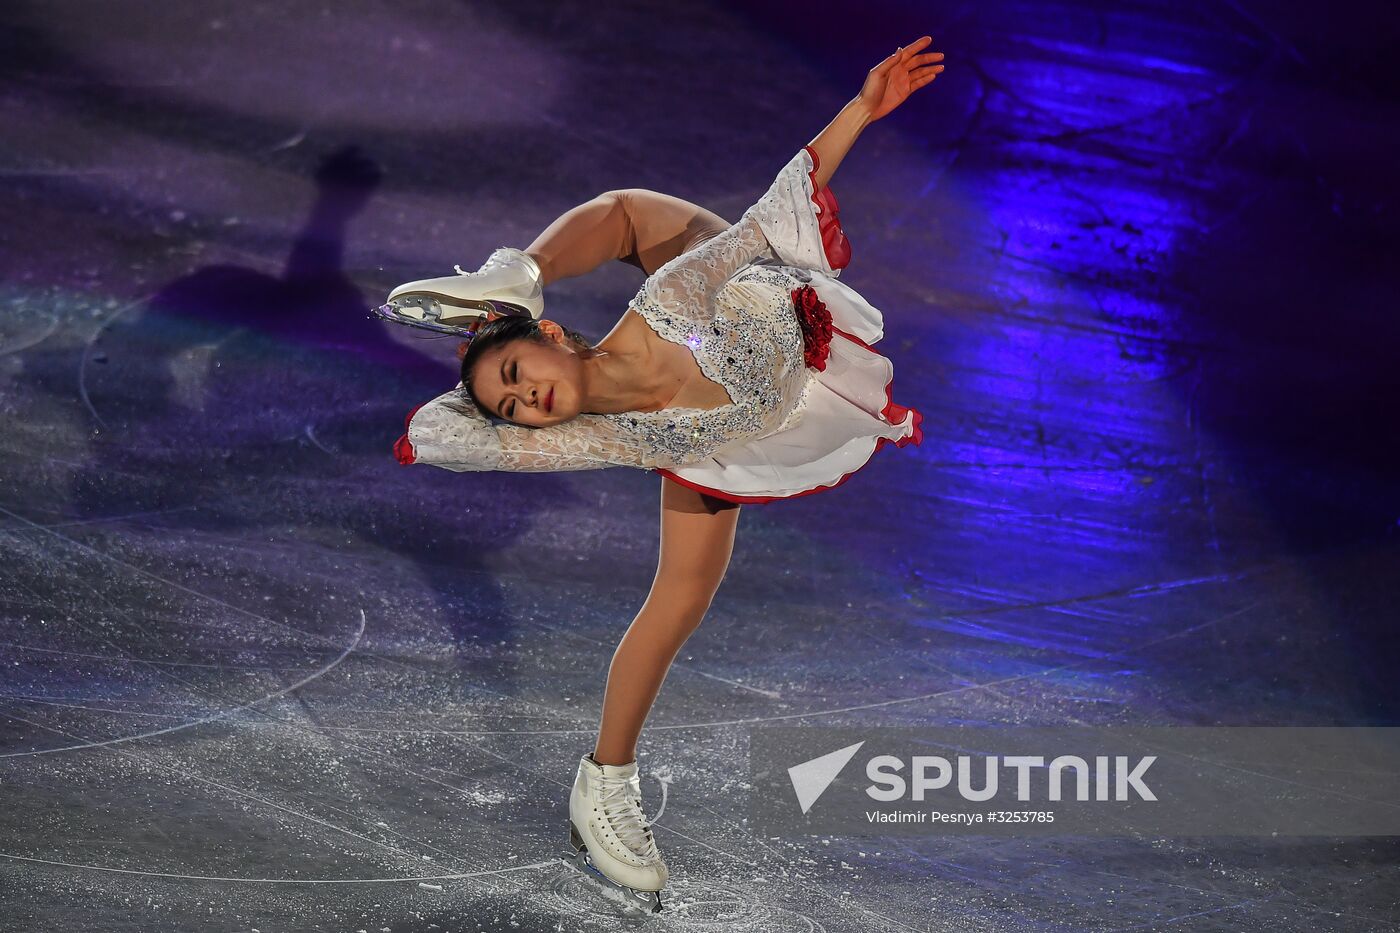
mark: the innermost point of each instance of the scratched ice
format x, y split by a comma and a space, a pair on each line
256, 676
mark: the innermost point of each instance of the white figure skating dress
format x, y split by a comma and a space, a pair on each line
761, 310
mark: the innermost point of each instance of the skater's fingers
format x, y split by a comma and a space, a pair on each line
904, 53
888, 63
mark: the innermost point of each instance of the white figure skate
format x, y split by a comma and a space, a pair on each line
508, 284
611, 839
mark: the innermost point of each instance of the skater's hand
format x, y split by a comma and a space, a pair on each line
890, 83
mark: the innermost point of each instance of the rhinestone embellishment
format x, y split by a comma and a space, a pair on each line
751, 345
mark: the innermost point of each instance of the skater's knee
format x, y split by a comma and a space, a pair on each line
632, 208
662, 226
626, 198
621, 224
624, 203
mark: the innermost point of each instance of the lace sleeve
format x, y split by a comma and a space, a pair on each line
449, 432
685, 287
801, 221
794, 222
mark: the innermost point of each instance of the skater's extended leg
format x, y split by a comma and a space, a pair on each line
636, 225
697, 538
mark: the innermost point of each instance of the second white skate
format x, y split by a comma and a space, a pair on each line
508, 283
609, 835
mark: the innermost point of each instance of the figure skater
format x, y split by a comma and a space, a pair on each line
743, 372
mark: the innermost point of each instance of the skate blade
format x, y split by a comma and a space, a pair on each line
427, 317
453, 309
649, 901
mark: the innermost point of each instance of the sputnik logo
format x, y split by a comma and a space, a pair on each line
810, 779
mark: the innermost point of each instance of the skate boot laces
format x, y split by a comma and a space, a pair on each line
620, 802
502, 258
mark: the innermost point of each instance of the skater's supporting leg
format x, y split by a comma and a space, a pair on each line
697, 538
636, 225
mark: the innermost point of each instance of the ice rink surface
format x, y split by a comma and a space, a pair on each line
1137, 268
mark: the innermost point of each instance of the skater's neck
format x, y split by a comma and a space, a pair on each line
621, 375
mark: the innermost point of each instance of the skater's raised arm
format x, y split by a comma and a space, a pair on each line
888, 85
832, 143
781, 223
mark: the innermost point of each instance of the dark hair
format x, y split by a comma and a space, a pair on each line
498, 333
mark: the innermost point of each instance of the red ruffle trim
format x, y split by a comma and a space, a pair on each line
403, 447
892, 412
834, 242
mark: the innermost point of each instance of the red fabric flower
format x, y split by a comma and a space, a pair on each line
815, 321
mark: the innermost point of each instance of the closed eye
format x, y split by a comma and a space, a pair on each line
514, 366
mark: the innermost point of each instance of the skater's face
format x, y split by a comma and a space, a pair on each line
536, 383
